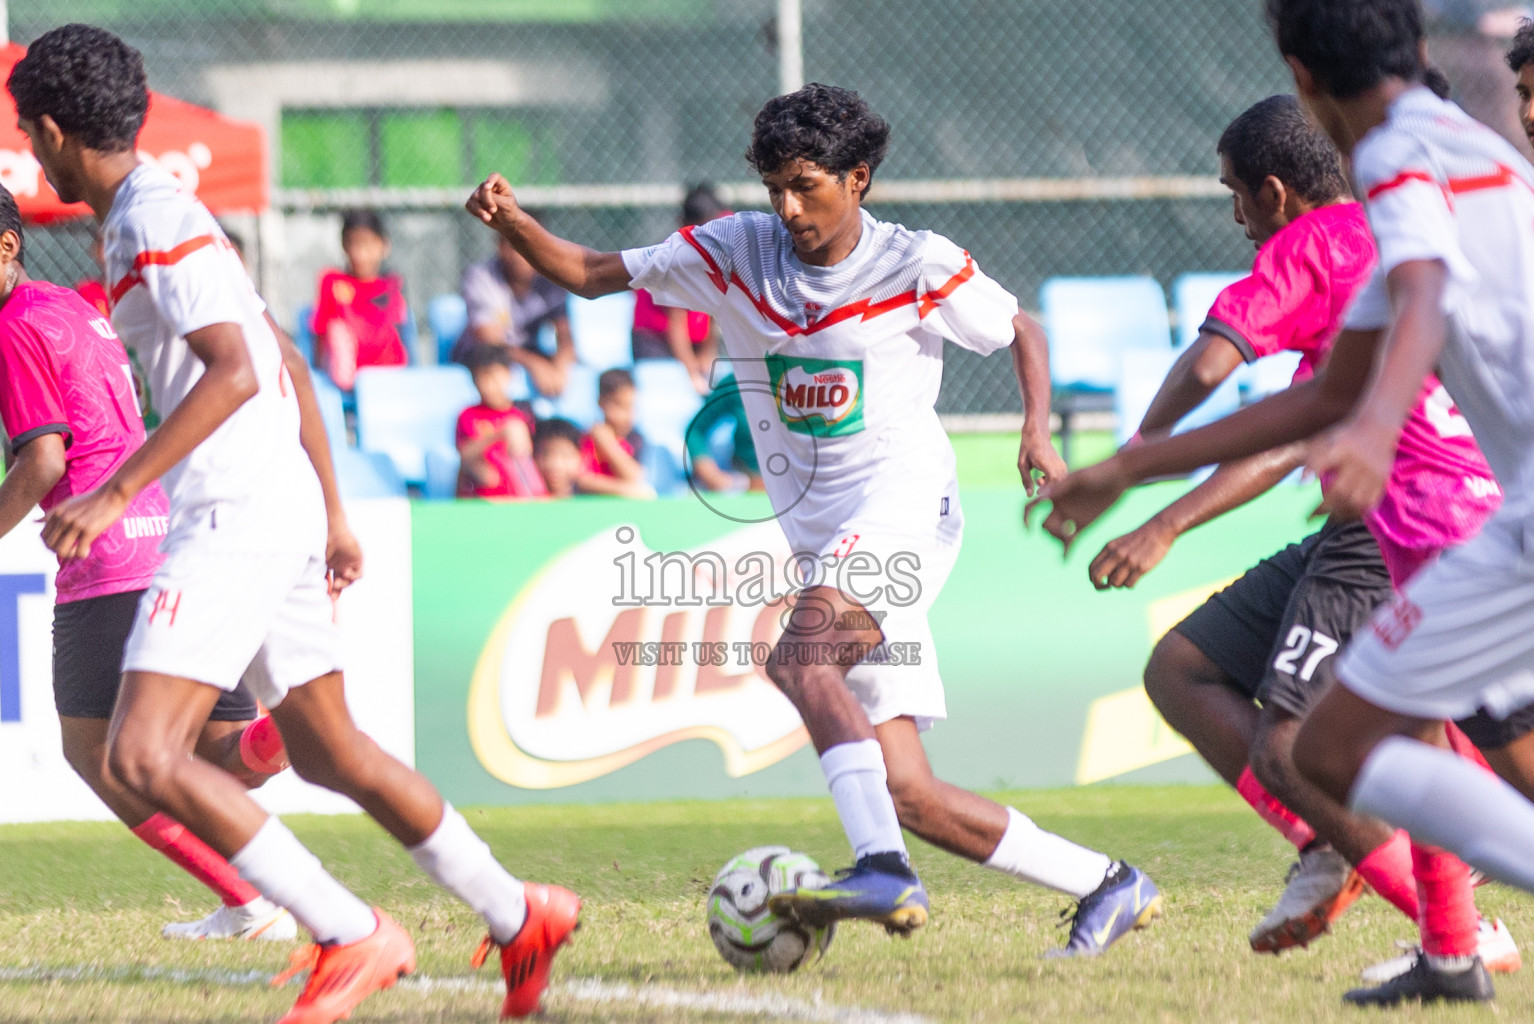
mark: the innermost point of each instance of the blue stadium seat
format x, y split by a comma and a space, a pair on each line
1092, 322
1192, 295
578, 402
1268, 375
662, 472
447, 316
303, 333
405, 413
332, 409
603, 330
441, 475
666, 403
366, 475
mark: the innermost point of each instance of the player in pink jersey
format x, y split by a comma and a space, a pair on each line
1270, 636
71, 418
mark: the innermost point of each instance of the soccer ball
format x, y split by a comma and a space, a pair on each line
746, 933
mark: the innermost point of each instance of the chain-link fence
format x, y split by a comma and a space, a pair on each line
999, 107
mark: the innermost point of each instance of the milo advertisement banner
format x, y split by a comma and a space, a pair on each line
610, 650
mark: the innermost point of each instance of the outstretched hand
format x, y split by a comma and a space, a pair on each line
1355, 461
1037, 455
1079, 500
1124, 560
495, 204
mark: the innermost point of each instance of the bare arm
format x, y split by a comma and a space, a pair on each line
1295, 414
564, 342
682, 348
228, 382
1030, 363
624, 466
1123, 561
38, 468
343, 555
575, 268
1201, 368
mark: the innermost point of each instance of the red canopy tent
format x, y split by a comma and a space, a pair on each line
223, 161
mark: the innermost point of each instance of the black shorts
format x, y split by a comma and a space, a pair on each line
1488, 733
88, 641
1275, 630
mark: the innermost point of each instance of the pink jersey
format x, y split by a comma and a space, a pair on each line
1304, 279
63, 371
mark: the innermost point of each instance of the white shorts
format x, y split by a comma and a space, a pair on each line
219, 617
1459, 638
914, 560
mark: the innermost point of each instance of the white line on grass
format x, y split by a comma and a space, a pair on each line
579, 990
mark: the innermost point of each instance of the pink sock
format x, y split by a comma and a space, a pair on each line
1388, 870
197, 859
1272, 811
1447, 917
261, 747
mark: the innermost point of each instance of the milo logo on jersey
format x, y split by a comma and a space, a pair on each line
823, 397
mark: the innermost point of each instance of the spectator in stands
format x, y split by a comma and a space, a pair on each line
557, 452
495, 438
610, 453
359, 311
742, 472
664, 333
508, 303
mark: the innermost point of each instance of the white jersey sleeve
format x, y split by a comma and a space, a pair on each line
959, 302
689, 270
1408, 200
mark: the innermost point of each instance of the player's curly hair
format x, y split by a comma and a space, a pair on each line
10, 220
1350, 47
1521, 54
1274, 137
824, 124
89, 81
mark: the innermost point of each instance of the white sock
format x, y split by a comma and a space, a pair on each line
1029, 853
461, 862
855, 773
1445, 801
279, 866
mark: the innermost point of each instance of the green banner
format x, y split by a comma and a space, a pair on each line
538, 677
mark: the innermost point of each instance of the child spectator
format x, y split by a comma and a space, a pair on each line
557, 452
359, 312
742, 473
508, 303
610, 453
495, 439
664, 333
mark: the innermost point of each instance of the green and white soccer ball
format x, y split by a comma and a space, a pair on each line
748, 935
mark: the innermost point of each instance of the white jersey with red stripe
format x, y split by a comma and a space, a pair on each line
1439, 185
840, 366
171, 271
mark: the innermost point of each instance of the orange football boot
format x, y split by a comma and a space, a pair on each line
552, 914
340, 977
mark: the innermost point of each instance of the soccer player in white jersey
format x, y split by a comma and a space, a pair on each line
243, 587
835, 323
1451, 206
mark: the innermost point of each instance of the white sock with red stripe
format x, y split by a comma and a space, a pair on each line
280, 867
461, 862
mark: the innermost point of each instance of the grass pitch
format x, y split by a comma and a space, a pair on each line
81, 906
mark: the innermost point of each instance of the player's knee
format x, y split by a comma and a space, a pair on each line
1169, 673
142, 766
915, 799
1272, 761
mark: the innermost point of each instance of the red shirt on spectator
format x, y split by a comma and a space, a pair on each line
517, 478
650, 317
373, 310
592, 461
95, 293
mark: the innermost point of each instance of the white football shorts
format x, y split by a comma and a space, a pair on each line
219, 617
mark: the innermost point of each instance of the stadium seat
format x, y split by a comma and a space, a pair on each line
1144, 370
1268, 375
447, 316
1192, 296
578, 402
366, 474
603, 330
666, 403
332, 410
405, 413
662, 472
1092, 322
441, 475
303, 333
